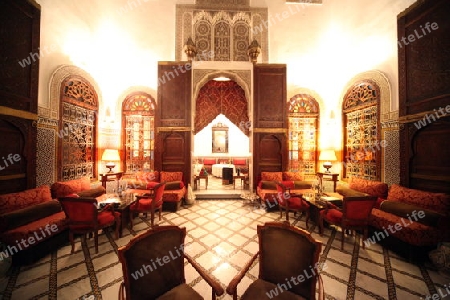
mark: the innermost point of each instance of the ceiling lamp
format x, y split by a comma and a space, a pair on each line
221, 78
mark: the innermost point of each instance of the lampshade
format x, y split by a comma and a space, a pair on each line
327, 156
110, 155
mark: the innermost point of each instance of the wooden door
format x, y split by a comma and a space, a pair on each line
173, 118
19, 74
270, 123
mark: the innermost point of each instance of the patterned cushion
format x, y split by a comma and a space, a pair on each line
54, 223
13, 201
413, 233
294, 176
272, 176
64, 188
174, 185
147, 176
171, 176
374, 188
174, 195
435, 201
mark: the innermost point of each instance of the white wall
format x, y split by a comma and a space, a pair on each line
238, 142
120, 42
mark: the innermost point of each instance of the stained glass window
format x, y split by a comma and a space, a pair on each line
303, 120
139, 130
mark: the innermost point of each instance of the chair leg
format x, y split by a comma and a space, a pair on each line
118, 224
320, 225
72, 241
342, 240
96, 241
160, 212
131, 219
152, 217
307, 218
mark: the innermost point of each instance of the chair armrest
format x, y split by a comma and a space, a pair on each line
232, 286
122, 291
321, 293
213, 283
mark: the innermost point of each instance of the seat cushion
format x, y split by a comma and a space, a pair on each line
297, 203
261, 289
183, 291
144, 204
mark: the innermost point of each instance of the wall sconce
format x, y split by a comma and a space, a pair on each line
327, 156
253, 51
110, 156
190, 49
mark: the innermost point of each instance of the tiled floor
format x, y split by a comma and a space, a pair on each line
221, 236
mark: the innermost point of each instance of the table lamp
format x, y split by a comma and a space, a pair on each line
110, 156
327, 156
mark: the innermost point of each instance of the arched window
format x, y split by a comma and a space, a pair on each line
138, 110
77, 151
303, 123
361, 131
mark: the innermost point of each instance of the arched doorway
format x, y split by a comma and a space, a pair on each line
221, 105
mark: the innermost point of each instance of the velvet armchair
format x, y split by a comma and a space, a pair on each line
290, 202
150, 203
143, 278
353, 216
289, 267
85, 218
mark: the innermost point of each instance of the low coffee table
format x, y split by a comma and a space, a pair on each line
314, 208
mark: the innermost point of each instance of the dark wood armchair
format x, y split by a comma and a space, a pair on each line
149, 204
144, 278
85, 218
354, 215
288, 265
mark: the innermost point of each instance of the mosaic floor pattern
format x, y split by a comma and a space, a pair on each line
221, 236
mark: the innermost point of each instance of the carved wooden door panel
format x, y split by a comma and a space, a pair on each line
270, 123
173, 118
19, 74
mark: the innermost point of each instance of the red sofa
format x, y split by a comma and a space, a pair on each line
32, 224
267, 188
174, 191
81, 186
409, 221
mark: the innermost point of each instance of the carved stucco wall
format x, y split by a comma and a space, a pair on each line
221, 27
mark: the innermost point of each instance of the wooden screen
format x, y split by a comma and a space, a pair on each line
424, 96
173, 118
270, 119
303, 123
77, 149
19, 74
138, 110
362, 151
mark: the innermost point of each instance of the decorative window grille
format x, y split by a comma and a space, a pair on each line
303, 121
139, 132
362, 149
79, 107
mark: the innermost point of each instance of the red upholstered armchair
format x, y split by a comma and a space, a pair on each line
153, 202
353, 216
84, 217
291, 203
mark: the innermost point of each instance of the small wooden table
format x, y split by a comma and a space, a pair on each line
197, 181
105, 177
334, 178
